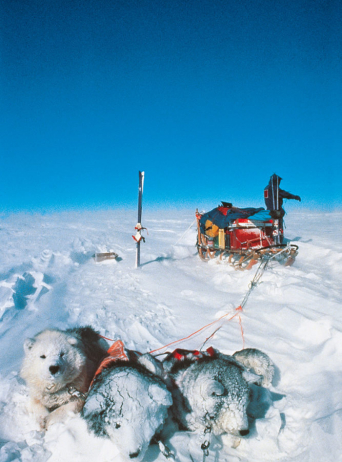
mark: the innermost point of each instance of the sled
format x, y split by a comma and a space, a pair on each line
241, 237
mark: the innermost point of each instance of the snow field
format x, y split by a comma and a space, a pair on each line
48, 278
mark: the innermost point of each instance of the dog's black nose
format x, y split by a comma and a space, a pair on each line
133, 455
244, 432
54, 369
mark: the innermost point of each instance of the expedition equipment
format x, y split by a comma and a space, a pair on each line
241, 236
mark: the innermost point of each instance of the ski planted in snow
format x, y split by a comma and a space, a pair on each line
138, 237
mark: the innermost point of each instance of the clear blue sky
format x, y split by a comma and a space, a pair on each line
209, 97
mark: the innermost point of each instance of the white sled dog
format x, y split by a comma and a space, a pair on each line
58, 367
128, 404
211, 393
258, 362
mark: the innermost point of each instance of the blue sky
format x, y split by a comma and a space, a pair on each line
209, 97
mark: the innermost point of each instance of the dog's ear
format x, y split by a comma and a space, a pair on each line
214, 388
28, 344
160, 394
72, 340
250, 377
211, 387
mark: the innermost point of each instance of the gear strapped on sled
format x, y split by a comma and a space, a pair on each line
241, 237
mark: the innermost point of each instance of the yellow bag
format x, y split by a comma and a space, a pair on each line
211, 230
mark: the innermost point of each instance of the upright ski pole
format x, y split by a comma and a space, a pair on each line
138, 237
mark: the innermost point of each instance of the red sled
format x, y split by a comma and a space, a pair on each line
242, 237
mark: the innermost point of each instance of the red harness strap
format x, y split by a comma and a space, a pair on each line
116, 352
183, 355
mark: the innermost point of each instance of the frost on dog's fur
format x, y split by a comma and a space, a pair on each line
128, 404
57, 362
257, 362
212, 392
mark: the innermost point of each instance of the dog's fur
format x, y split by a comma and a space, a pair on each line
258, 362
128, 403
212, 392
58, 367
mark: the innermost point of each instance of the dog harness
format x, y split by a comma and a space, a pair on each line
117, 352
187, 355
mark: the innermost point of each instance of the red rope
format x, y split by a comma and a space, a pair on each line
106, 338
243, 338
239, 308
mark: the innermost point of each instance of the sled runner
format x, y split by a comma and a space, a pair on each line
241, 237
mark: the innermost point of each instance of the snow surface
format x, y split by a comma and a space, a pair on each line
48, 278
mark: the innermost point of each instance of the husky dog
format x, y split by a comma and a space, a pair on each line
258, 362
211, 393
128, 404
58, 367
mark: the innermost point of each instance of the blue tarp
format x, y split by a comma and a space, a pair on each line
263, 215
222, 221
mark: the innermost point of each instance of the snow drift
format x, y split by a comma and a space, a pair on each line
48, 278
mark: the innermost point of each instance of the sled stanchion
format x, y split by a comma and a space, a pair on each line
138, 237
